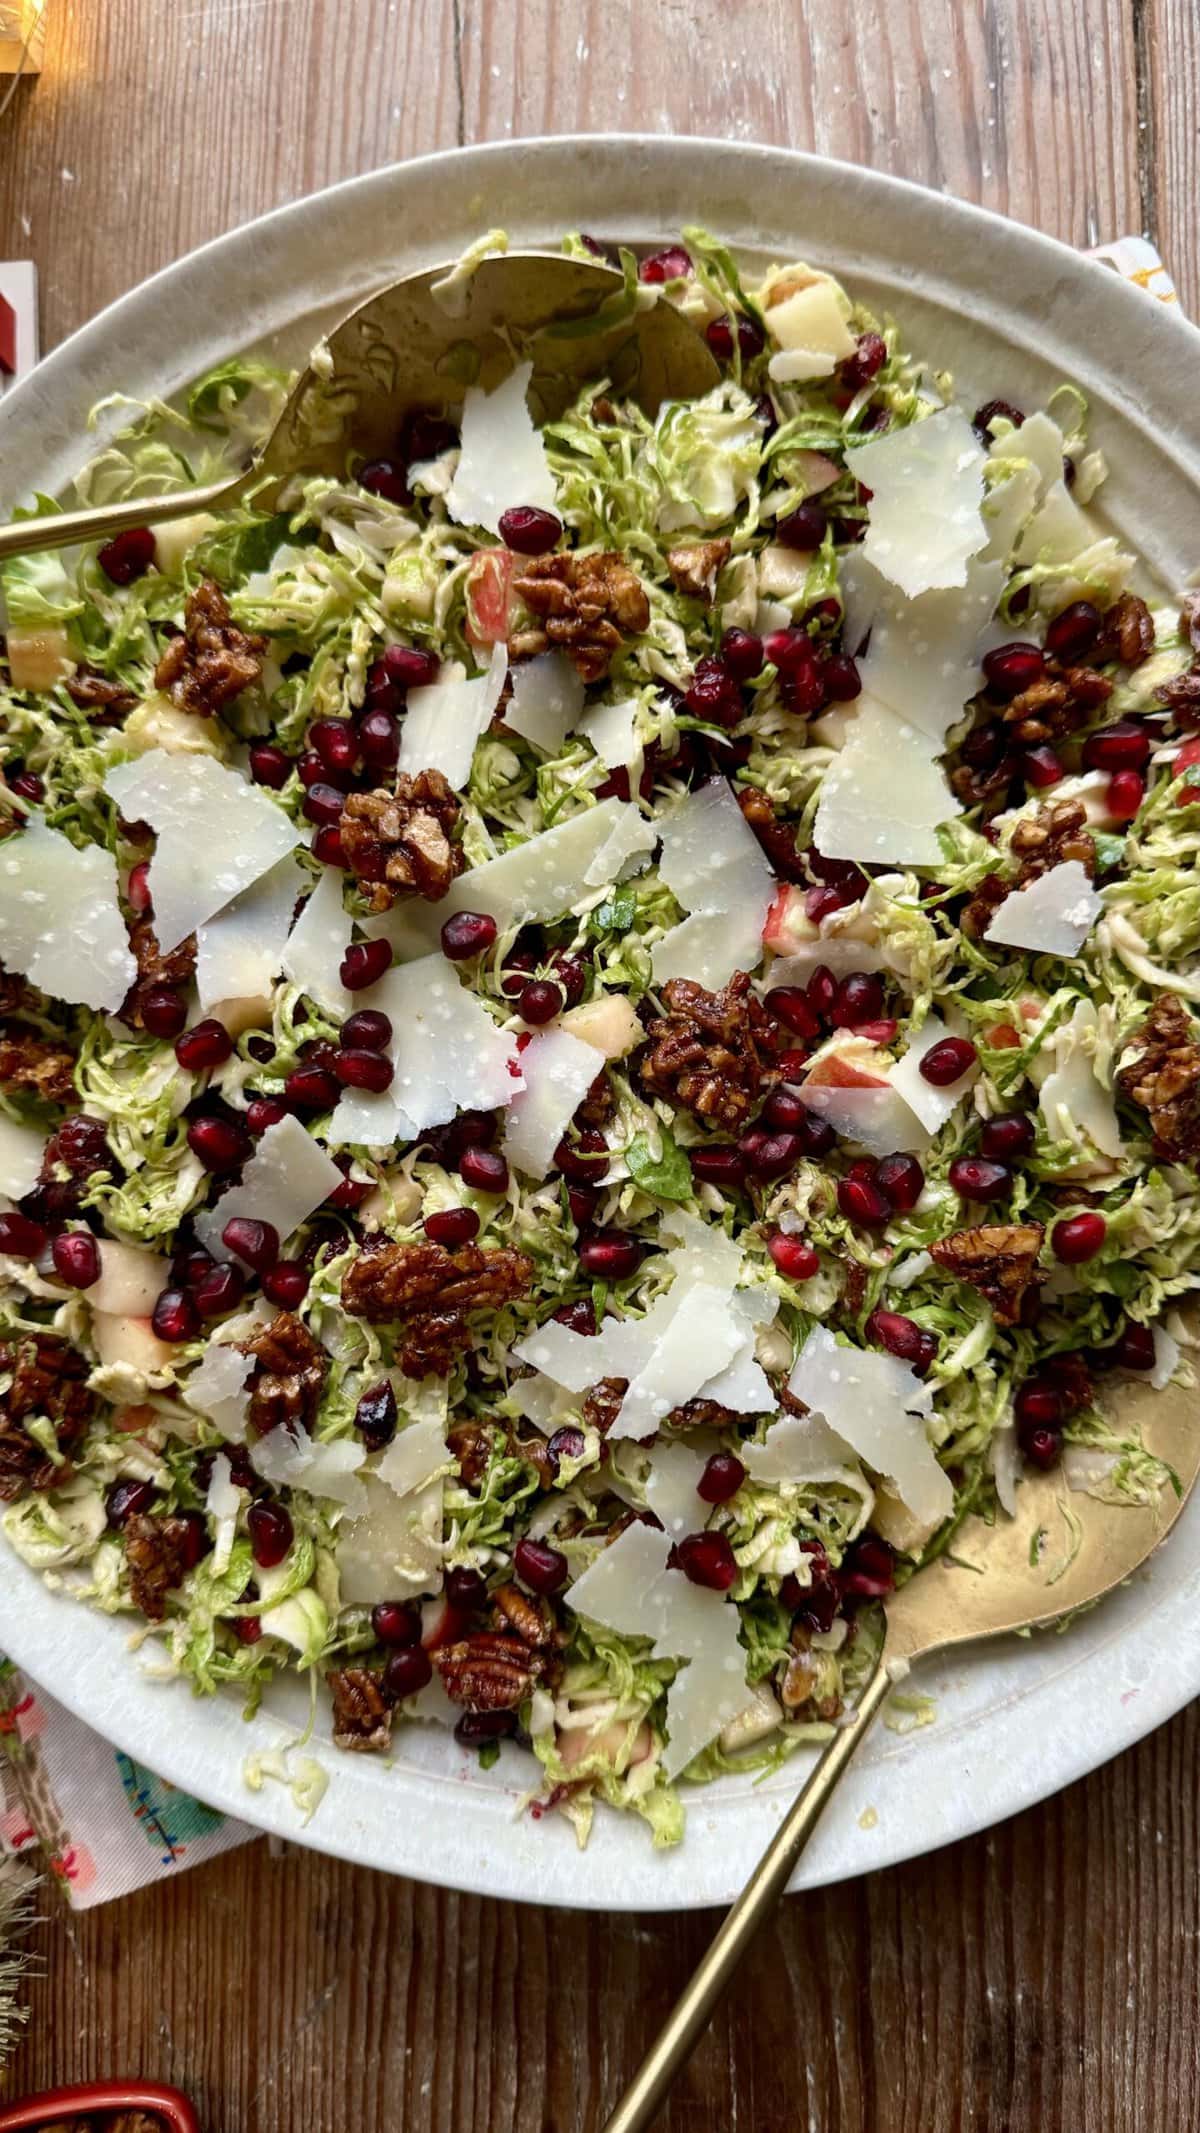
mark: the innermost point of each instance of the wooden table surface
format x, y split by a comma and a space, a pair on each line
1046, 1976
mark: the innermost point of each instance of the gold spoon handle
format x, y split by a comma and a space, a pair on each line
677, 2039
62, 530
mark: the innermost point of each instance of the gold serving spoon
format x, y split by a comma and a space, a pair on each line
420, 344
1021, 1573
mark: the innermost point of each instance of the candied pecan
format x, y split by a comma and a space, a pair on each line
471, 1444
854, 1287
131, 2122
700, 1414
289, 1373
583, 604
974, 787
489, 1672
1051, 835
986, 900
801, 1680
602, 1403
389, 1280
535, 1452
599, 1103
1126, 634
997, 1258
35, 1066
704, 1053
47, 1379
362, 1715
1181, 695
16, 997
1037, 713
521, 1616
212, 661
777, 840
95, 693
695, 569
433, 1342
399, 843
76, 1150
156, 1558
175, 970
1163, 1076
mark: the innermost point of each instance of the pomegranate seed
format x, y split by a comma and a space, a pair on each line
1074, 631
1122, 746
347, 1197
1042, 1447
793, 1257
396, 1623
1126, 791
901, 1179
566, 1443
206, 1044
375, 1416
311, 1088
784, 1110
127, 556
821, 990
1037, 1406
1078, 1238
451, 1227
310, 769
247, 1629
264, 1111
868, 1569
255, 1242
465, 1589
841, 678
975, 1178
219, 1143
175, 1316
722, 1478
327, 846
903, 1337
868, 360
467, 934
825, 899
138, 891
1013, 667
718, 1165
520, 962
539, 1002
713, 693
791, 653
742, 653
671, 264
983, 417
382, 477
286, 1284
128, 1499
862, 1203
76, 1257
707, 1559
1135, 1349
357, 1068
21, 1237
335, 743
269, 765
947, 1061
271, 1533
1040, 767
408, 1672
789, 1005
221, 1289
190, 1264
1004, 1138
815, 1604
719, 334
483, 1169
571, 974
611, 1256
409, 667
529, 531
364, 964
368, 1030
859, 999
816, 1135
804, 528
770, 1155
379, 739
324, 804
476, 1728
164, 1011
583, 1161
542, 1568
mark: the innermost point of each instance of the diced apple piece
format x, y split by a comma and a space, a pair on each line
158, 723
787, 928
489, 596
610, 1024
38, 659
576, 1743
174, 542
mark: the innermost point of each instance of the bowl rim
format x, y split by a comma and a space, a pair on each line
31, 2112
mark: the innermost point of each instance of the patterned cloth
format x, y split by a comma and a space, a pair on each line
103, 1823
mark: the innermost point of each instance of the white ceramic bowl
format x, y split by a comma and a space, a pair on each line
1012, 313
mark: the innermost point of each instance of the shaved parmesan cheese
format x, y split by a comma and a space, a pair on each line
286, 1179
21, 1152
577, 1360
414, 1456
743, 1385
1006, 507
924, 520
1072, 1099
702, 1252
60, 922
1039, 441
1005, 1467
503, 461
877, 1119
798, 1448
1052, 915
303, 1462
1059, 532
884, 796
130, 1280
671, 1485
1166, 1358
217, 1389
444, 721
216, 834
795, 366
239, 952
877, 1404
713, 865
393, 1549
700, 1338
812, 322
1086, 1469
547, 698
711, 946
132, 1360
446, 1052
611, 729
312, 956
923, 658
558, 1071
222, 1503
933, 1106
615, 1590
711, 1692
631, 837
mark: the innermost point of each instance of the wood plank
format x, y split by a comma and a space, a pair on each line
1168, 44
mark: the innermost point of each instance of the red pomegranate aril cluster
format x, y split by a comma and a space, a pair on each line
713, 694
451, 1227
407, 1672
1078, 1238
128, 1499
816, 1604
868, 1570
286, 1284
529, 531
175, 1316
364, 963
542, 1568
483, 1169
220, 1289
1074, 630
75, 1255
264, 1111
974, 1177
821, 990
803, 529
719, 333
206, 1045
862, 1203
1041, 768
138, 890
566, 1443
323, 805
269, 765
218, 1142
742, 652
947, 1061
673, 263
1135, 1348
722, 1478
20, 1237
379, 739
794, 1258
468, 934
1122, 746
357, 1068
397, 1623
795, 1010
128, 555
708, 1559
271, 1533
770, 1155
721, 1166
785, 1111
255, 1242
335, 742
1010, 668
164, 1011
902, 1337
376, 1415
856, 371
368, 1029
841, 679
384, 478
583, 1161
611, 1255
1006, 1137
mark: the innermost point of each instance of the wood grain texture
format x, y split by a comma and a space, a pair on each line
1046, 1976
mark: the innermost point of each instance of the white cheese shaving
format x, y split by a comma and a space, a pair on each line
217, 1388
547, 698
1166, 1358
216, 834
319, 939
392, 1550
1059, 532
286, 1179
798, 1448
447, 1055
631, 837
924, 521
414, 1456
932, 1105
21, 1152
129, 1280
1072, 1099
239, 951
611, 729
60, 921
878, 1120
811, 323
616, 1589
1006, 507
1039, 441
222, 1503
503, 461
445, 720
713, 865
558, 1070
303, 1462
699, 1340
1052, 915
711, 946
711, 1692
671, 1485
884, 795
877, 1404
923, 658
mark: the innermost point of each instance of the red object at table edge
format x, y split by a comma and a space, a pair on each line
8, 337
31, 2112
